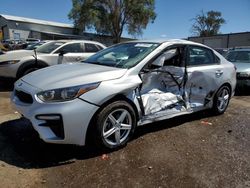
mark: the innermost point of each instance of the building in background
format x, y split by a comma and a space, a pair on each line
20, 28
224, 40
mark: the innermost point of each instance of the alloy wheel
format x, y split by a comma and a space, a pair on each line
223, 99
117, 126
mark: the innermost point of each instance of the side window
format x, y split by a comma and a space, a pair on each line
99, 47
91, 47
198, 56
71, 48
170, 57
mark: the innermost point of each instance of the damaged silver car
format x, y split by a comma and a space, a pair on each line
104, 98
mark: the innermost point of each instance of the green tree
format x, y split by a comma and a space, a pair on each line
207, 24
112, 16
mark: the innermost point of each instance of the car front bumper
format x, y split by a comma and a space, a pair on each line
9, 70
60, 122
243, 79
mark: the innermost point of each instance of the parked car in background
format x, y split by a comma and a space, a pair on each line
222, 51
51, 53
240, 57
35, 45
11, 57
104, 99
33, 40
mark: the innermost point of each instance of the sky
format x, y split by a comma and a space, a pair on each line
174, 18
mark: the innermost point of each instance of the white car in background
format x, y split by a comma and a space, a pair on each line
240, 57
119, 88
51, 53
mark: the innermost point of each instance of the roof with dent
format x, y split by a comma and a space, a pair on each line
36, 21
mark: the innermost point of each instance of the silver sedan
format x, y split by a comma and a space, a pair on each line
103, 99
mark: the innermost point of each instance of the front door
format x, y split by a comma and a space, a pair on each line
162, 84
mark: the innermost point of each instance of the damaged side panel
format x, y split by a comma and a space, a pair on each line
165, 92
200, 86
162, 93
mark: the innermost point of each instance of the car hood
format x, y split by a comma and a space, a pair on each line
71, 74
242, 67
15, 55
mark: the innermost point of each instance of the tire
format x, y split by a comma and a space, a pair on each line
114, 126
221, 100
29, 70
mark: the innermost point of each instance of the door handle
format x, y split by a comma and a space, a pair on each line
218, 73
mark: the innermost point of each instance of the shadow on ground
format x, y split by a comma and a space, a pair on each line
6, 84
20, 144
242, 91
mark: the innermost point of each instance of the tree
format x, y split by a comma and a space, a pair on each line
112, 16
207, 24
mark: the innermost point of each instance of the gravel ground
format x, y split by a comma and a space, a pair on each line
197, 150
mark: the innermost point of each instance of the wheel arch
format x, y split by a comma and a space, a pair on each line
118, 97
29, 64
228, 85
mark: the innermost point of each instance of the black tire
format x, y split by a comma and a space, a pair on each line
29, 70
221, 100
103, 125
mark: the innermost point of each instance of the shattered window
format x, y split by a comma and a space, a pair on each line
200, 56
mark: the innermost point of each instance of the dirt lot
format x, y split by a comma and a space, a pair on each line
181, 152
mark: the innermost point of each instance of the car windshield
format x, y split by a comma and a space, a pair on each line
49, 47
34, 46
124, 55
238, 56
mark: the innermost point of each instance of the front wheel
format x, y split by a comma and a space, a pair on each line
29, 70
115, 124
221, 100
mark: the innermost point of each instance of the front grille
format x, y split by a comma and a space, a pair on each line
24, 97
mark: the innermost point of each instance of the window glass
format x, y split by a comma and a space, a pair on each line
200, 56
91, 47
125, 55
99, 47
49, 47
238, 56
71, 48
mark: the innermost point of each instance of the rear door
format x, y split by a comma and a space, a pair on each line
73, 52
205, 75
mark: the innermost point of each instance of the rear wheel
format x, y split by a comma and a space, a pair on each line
115, 124
221, 100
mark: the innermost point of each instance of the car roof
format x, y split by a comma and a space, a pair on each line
170, 41
73, 41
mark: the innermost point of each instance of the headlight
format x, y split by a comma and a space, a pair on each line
66, 94
9, 62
